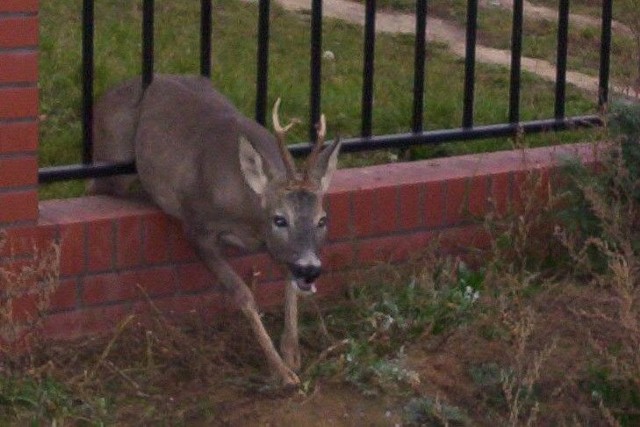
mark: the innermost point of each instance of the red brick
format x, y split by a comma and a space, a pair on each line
76, 323
392, 248
434, 204
194, 277
129, 242
386, 210
18, 137
543, 185
339, 214
180, 248
19, 206
411, 201
363, 212
279, 271
456, 200
112, 287
28, 240
500, 193
520, 183
477, 197
460, 239
18, 171
206, 307
337, 256
19, 67
100, 245
15, 265
106, 288
269, 295
72, 252
18, 102
154, 281
18, 32
24, 308
19, 6
65, 296
375, 211
155, 238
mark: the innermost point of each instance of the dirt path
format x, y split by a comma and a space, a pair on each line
541, 12
454, 37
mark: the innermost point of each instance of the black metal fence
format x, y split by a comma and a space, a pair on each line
366, 141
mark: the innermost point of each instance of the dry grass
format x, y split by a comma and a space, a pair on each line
26, 288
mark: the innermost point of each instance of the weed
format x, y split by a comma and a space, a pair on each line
488, 378
28, 394
431, 299
427, 411
27, 286
603, 245
519, 380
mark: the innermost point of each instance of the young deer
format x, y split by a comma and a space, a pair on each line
229, 181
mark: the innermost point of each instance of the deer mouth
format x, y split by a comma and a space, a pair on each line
303, 286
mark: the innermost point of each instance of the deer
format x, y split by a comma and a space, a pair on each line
229, 181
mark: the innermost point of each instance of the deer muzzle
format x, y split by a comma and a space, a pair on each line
304, 274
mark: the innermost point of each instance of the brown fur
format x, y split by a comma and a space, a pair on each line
224, 176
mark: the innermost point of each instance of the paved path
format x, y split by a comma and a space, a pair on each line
454, 37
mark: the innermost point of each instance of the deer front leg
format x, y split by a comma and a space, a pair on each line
244, 299
289, 342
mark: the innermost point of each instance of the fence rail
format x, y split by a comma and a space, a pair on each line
366, 141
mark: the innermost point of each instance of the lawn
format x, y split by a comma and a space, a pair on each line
540, 34
234, 51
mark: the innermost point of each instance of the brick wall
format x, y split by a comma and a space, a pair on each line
18, 110
111, 249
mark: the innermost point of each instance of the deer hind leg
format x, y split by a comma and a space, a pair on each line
243, 297
289, 342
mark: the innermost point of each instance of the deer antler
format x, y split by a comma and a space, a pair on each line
280, 135
321, 132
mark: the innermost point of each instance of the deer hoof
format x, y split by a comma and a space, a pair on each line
290, 380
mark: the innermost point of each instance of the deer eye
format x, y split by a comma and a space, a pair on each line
322, 222
280, 221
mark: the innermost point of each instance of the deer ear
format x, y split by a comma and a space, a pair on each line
326, 165
252, 166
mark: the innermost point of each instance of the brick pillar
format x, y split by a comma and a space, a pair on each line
18, 111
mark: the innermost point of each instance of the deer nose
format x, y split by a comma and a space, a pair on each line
308, 272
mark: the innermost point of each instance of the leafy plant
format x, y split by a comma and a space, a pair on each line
602, 238
385, 315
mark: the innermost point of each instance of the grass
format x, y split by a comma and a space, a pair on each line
590, 7
234, 49
540, 35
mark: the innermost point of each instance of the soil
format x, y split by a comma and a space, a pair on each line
195, 374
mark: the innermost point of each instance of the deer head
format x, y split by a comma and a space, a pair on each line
294, 223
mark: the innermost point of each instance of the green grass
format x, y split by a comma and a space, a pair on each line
27, 400
540, 36
234, 51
